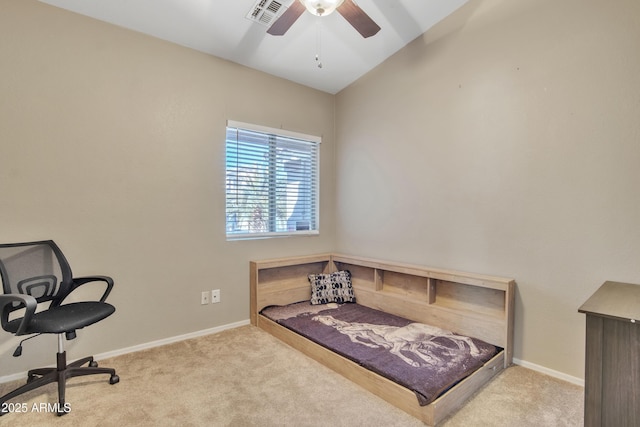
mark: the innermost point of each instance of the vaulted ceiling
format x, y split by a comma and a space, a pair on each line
223, 28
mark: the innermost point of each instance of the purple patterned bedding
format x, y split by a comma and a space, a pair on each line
422, 358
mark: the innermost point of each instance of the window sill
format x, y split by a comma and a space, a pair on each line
256, 236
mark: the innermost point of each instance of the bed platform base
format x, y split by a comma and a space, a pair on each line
470, 304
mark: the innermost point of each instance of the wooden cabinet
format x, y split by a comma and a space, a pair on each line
612, 369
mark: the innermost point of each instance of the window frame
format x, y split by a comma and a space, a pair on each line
274, 133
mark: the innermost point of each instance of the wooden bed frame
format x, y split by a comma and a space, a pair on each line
470, 304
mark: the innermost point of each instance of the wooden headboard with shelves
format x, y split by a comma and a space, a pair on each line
466, 303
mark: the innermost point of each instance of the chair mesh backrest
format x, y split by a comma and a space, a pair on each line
38, 269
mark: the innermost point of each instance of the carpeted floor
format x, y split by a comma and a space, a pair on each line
245, 377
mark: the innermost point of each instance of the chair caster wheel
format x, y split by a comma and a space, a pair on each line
114, 379
93, 364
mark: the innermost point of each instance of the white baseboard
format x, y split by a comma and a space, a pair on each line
170, 340
152, 344
550, 372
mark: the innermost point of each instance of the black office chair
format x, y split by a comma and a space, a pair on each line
36, 279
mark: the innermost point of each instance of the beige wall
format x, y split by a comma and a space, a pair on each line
504, 141
112, 144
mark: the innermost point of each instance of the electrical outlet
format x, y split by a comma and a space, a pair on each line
204, 298
215, 296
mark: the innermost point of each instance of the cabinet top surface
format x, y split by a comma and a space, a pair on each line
614, 299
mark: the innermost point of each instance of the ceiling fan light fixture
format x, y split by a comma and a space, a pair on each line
321, 7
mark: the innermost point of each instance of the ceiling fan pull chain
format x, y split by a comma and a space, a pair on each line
318, 43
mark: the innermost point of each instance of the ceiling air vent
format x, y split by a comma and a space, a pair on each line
265, 11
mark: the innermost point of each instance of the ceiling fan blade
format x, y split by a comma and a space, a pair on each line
286, 20
358, 19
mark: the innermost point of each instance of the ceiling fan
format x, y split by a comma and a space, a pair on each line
347, 8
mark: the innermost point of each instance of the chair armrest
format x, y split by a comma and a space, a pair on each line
30, 304
79, 281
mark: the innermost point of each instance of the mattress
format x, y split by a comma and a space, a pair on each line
423, 358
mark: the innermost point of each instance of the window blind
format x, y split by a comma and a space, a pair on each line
271, 182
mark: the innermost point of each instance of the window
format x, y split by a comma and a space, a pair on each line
271, 182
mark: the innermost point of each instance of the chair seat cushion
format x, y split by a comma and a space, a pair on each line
64, 318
